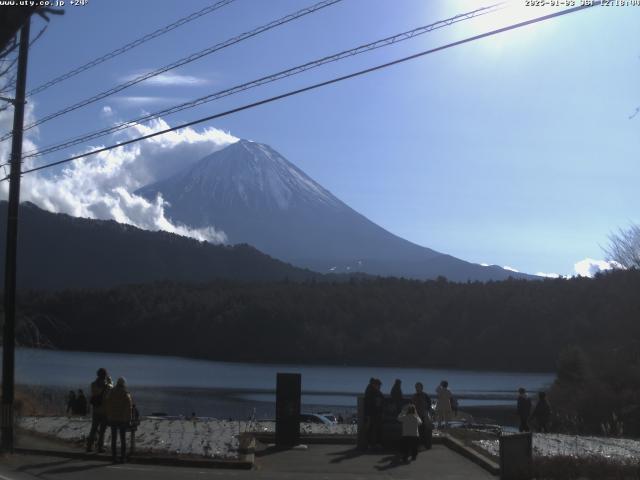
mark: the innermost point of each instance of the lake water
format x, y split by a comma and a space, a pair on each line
176, 385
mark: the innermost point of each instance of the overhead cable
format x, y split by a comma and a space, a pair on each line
316, 86
181, 62
267, 79
129, 46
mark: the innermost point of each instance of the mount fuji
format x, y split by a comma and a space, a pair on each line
256, 196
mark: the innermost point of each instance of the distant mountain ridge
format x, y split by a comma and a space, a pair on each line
58, 251
256, 196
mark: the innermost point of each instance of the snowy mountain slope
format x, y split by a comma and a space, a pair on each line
257, 196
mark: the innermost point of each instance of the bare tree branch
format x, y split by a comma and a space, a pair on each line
624, 247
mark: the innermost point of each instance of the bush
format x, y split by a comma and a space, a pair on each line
596, 468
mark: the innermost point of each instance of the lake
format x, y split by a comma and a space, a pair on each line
179, 386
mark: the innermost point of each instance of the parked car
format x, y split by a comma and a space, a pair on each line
329, 416
314, 418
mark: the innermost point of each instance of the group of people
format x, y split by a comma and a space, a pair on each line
541, 414
419, 418
111, 406
77, 403
415, 417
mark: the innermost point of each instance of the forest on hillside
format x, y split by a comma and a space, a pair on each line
508, 325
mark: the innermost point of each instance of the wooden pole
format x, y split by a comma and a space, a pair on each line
9, 328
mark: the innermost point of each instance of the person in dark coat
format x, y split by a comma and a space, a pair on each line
454, 406
542, 413
396, 395
99, 391
524, 409
71, 402
369, 407
424, 409
81, 404
373, 412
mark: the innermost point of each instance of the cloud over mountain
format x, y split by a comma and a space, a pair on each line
101, 186
589, 267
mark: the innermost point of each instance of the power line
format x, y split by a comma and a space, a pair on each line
181, 62
268, 79
317, 85
131, 45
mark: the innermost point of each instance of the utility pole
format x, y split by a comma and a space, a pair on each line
9, 330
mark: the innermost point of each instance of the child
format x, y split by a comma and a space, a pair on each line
410, 424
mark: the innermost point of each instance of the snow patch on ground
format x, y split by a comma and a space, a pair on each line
555, 444
206, 437
308, 428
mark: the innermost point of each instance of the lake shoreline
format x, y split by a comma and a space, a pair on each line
178, 386
224, 404
268, 363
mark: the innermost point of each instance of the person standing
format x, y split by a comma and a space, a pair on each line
99, 392
524, 409
369, 407
396, 395
443, 407
454, 406
410, 432
373, 412
542, 413
71, 402
119, 409
424, 410
81, 404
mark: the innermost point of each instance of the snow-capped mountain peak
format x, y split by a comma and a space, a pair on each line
255, 174
256, 196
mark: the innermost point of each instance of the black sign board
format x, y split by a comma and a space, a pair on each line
288, 390
516, 457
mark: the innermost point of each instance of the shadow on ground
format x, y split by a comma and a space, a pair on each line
345, 455
391, 461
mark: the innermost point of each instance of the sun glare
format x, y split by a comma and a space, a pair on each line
505, 14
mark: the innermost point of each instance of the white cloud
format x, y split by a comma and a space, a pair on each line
144, 100
101, 186
511, 269
548, 275
107, 111
484, 264
168, 79
6, 125
589, 267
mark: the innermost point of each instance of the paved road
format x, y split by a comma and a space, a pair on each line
319, 462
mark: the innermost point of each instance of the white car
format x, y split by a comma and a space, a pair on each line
332, 418
314, 418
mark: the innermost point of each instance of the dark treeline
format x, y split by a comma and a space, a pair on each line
510, 325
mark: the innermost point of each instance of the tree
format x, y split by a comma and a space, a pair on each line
572, 365
624, 247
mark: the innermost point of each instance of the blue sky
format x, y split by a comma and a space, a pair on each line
514, 150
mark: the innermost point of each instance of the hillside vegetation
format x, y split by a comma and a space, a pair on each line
58, 251
510, 325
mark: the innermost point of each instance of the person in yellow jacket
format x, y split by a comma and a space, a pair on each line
119, 414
